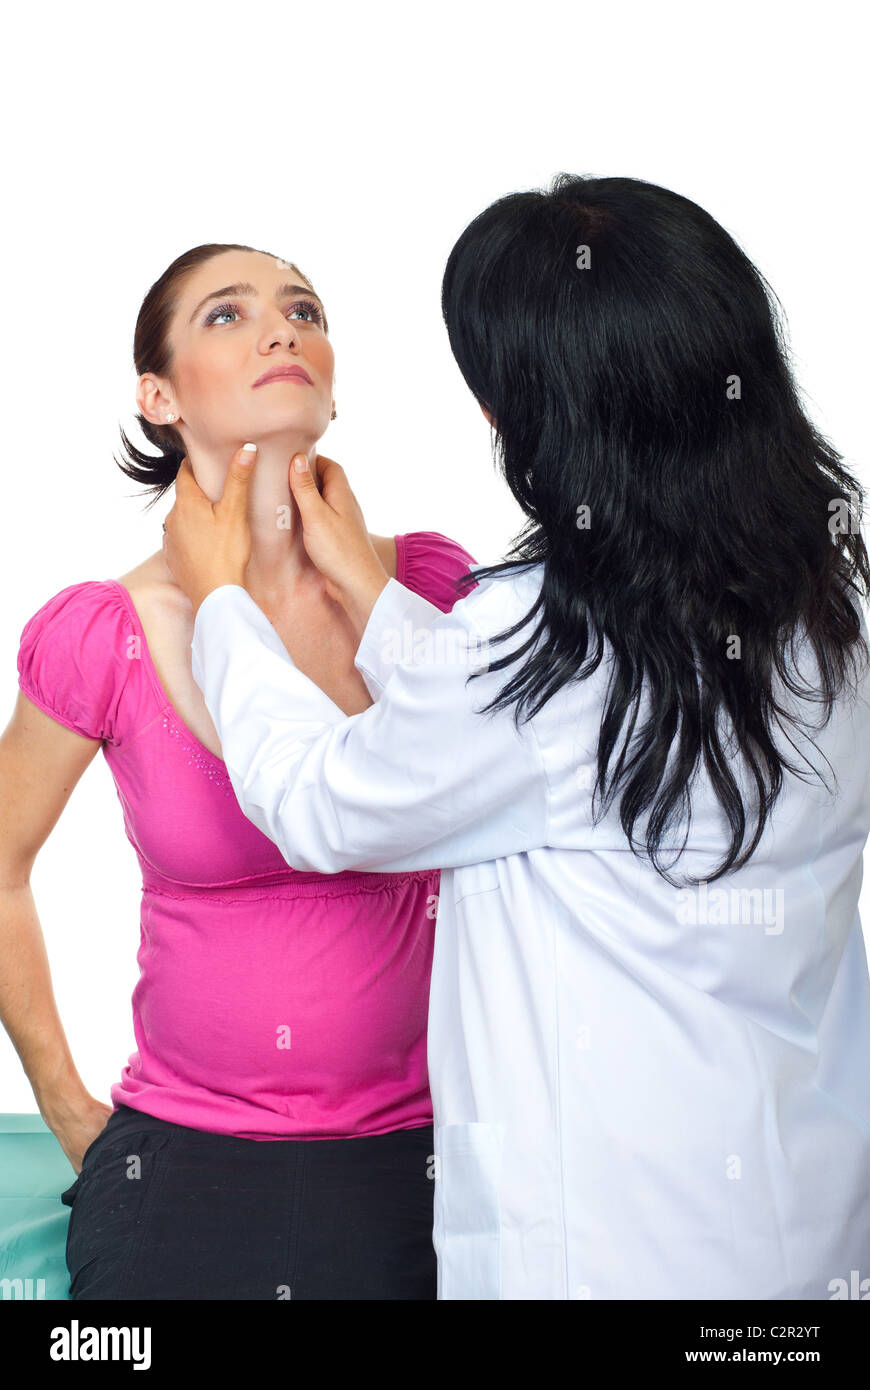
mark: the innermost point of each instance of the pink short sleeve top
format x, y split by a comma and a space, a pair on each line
270, 1003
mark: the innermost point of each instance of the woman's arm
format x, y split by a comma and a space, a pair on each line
40, 763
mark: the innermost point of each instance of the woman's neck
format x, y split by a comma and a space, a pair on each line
279, 562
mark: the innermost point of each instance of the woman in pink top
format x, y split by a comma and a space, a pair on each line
263, 1012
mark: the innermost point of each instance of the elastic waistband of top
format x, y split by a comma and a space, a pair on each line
291, 884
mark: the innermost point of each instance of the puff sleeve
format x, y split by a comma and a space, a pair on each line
430, 563
74, 659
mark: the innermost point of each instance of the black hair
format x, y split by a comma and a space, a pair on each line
633, 362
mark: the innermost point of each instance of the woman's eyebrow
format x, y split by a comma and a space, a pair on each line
245, 289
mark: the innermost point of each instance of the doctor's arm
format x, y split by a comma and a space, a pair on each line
420, 780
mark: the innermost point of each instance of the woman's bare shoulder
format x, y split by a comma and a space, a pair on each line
153, 589
151, 571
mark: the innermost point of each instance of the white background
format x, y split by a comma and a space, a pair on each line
357, 140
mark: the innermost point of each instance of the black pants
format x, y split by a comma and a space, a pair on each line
162, 1211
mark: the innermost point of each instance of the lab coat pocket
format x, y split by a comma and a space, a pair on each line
467, 1227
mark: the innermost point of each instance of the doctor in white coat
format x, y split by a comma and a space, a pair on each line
649, 1058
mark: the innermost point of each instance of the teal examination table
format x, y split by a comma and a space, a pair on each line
34, 1171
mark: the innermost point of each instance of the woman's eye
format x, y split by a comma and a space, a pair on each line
219, 311
307, 306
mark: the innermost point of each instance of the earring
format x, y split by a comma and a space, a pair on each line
332, 416
170, 418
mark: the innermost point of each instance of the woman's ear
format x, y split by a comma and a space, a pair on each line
151, 400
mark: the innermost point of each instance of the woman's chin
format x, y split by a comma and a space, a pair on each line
296, 429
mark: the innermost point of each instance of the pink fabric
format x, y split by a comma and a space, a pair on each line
270, 1003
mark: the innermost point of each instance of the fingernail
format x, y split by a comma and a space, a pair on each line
301, 462
251, 448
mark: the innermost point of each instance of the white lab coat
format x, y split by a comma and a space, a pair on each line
640, 1092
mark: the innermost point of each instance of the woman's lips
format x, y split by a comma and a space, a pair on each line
284, 374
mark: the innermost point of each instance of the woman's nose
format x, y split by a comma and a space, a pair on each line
288, 336
283, 330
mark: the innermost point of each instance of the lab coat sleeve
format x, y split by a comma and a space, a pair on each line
420, 780
409, 613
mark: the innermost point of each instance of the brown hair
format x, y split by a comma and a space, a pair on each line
152, 353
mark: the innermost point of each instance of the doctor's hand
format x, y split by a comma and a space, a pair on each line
335, 536
205, 543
